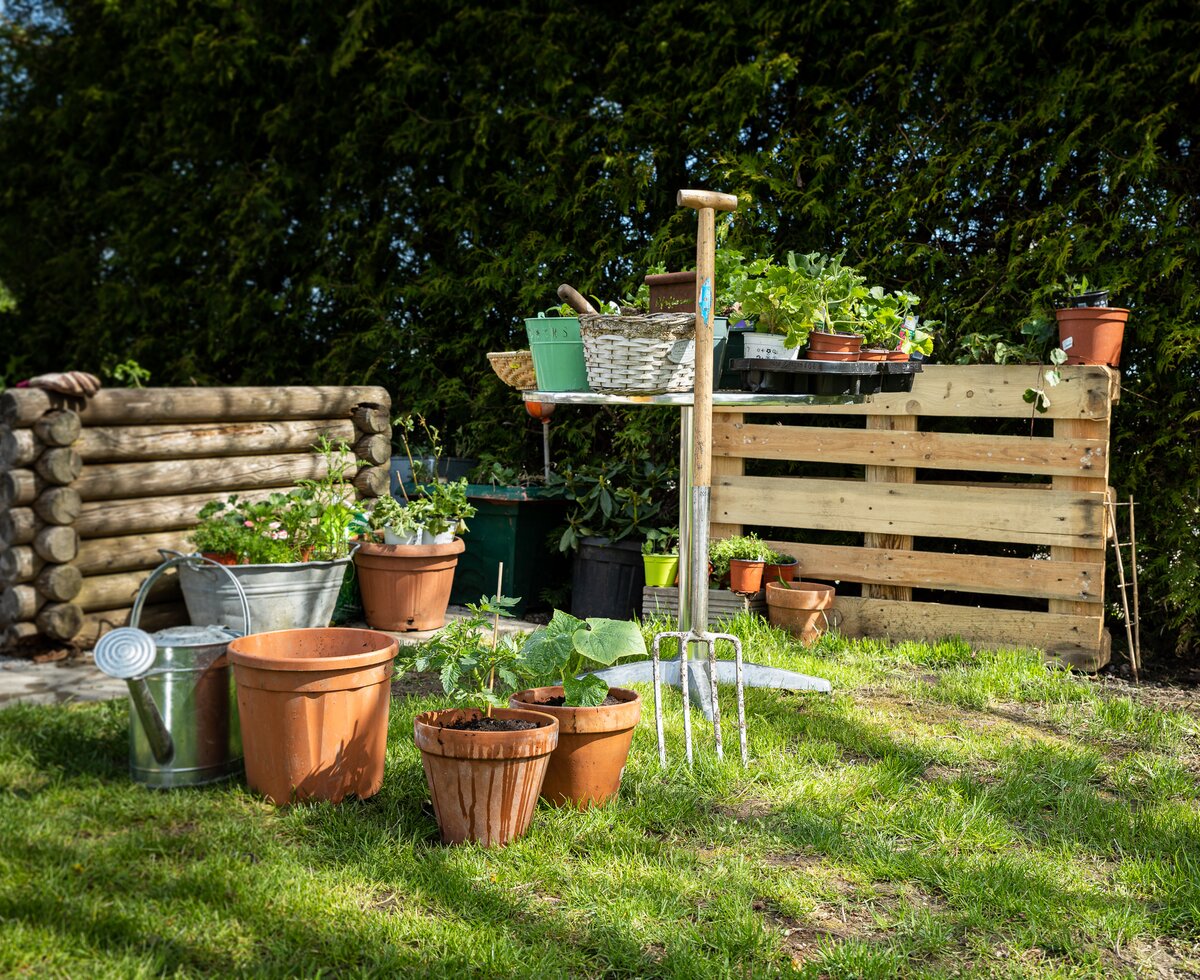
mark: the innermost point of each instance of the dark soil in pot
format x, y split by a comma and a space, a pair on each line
561, 701
486, 724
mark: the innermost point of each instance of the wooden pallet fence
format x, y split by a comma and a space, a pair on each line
91, 489
1056, 506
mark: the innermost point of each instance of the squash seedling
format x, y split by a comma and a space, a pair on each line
566, 645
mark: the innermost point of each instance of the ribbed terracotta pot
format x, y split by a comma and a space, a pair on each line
832, 355
313, 707
745, 576
872, 354
406, 586
484, 785
848, 343
801, 608
593, 745
1092, 334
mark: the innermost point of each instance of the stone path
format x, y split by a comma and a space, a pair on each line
78, 679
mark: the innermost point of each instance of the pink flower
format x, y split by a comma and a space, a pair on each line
273, 525
247, 523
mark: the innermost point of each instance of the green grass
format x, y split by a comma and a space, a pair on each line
945, 813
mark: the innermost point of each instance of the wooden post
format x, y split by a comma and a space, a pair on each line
371, 420
59, 582
59, 427
59, 465
19, 564
890, 474
58, 505
60, 620
18, 447
56, 544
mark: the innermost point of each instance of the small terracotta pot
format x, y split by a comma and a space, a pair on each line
784, 570
799, 607
843, 342
220, 557
1092, 334
898, 355
873, 354
745, 576
832, 355
484, 785
313, 707
593, 745
406, 586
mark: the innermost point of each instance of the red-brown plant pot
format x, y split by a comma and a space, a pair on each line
832, 355
898, 355
406, 586
872, 354
1092, 334
484, 785
785, 571
801, 608
745, 576
313, 708
593, 745
845, 343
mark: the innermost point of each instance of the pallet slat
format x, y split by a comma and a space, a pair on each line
1029, 577
924, 450
973, 513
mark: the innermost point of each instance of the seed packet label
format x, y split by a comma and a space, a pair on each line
1068, 343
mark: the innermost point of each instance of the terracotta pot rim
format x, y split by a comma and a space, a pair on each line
352, 661
487, 746
1090, 312
369, 549
841, 336
581, 720
790, 595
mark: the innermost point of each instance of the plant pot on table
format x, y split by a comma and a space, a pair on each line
768, 346
746, 576
406, 587
1092, 334
484, 784
593, 744
660, 570
845, 343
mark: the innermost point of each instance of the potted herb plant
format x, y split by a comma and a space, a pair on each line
741, 559
288, 553
595, 721
484, 764
660, 556
835, 289
781, 303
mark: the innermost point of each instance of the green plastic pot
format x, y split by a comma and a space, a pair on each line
557, 350
661, 570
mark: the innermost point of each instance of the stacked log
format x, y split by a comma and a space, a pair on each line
91, 491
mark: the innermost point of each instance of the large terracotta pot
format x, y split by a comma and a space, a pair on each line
406, 586
593, 744
313, 706
484, 785
1092, 334
801, 608
838, 342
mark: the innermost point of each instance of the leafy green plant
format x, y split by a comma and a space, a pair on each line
566, 645
661, 541
389, 514
473, 669
129, 373
614, 499
746, 547
443, 504
1036, 395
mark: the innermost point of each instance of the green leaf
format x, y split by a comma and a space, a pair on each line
584, 692
606, 640
545, 654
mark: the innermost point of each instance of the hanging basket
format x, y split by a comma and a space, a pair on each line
514, 368
639, 354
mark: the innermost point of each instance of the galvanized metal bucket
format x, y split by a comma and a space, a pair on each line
299, 595
184, 728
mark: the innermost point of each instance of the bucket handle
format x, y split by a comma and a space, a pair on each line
182, 559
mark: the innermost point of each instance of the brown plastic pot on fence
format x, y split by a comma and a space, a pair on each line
484, 785
313, 705
1092, 334
406, 586
593, 745
801, 608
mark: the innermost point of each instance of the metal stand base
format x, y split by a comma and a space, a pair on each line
754, 675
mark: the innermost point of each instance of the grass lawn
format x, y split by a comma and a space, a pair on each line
944, 813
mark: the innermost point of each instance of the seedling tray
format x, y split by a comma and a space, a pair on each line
805, 377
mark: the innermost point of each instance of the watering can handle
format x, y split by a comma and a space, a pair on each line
182, 559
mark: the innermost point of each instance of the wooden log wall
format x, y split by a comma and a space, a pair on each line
1050, 499
91, 489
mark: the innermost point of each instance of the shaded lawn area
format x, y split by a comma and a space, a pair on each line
945, 813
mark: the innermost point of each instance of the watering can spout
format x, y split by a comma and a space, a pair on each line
128, 653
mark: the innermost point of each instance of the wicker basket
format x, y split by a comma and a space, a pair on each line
641, 355
514, 368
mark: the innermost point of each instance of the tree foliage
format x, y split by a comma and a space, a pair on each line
282, 193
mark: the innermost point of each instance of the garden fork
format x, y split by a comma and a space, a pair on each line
710, 640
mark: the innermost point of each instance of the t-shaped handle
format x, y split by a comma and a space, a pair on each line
706, 199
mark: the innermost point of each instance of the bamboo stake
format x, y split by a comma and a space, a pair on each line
495, 634
1137, 617
1112, 517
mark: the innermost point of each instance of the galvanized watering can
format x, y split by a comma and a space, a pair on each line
184, 728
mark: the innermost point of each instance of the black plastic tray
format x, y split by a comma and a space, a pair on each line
805, 377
